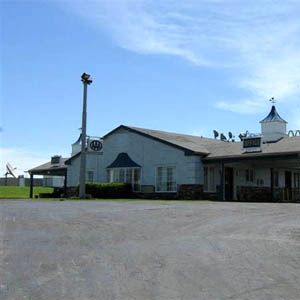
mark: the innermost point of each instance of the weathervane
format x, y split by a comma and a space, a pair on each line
272, 100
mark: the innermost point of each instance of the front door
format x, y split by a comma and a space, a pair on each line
228, 184
288, 185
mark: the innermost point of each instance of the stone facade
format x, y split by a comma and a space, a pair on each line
190, 192
251, 193
263, 194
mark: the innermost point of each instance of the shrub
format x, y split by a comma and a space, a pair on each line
46, 195
109, 190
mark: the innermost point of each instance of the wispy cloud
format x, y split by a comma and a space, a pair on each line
258, 41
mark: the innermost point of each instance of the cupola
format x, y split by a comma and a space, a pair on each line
273, 127
76, 147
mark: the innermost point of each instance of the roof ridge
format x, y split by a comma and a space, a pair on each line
171, 132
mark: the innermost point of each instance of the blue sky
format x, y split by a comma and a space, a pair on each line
182, 66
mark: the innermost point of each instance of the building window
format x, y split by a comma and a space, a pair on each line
166, 179
90, 176
276, 179
209, 179
249, 175
297, 180
126, 175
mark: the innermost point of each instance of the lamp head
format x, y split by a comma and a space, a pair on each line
86, 78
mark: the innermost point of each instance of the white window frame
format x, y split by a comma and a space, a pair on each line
276, 178
93, 176
111, 175
250, 170
207, 177
174, 177
297, 180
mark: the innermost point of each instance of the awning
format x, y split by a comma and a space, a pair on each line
123, 161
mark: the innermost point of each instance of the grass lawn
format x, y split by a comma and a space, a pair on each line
13, 192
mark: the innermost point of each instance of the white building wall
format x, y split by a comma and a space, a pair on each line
263, 173
150, 154
146, 152
273, 131
93, 163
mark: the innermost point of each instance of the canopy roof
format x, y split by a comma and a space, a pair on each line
273, 116
123, 161
57, 169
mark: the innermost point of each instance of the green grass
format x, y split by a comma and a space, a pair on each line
19, 192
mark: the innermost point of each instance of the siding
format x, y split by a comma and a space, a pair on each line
144, 151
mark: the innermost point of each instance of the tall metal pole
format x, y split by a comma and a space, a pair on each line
85, 78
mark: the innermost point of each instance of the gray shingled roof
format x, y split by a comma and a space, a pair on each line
286, 145
197, 144
216, 149
49, 168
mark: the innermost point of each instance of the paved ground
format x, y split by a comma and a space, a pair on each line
149, 250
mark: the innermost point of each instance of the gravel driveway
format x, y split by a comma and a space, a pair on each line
149, 250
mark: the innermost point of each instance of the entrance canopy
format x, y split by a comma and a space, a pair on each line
55, 167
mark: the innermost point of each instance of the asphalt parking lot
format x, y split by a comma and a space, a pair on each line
149, 250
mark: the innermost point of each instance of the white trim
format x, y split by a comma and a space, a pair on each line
208, 190
175, 175
125, 176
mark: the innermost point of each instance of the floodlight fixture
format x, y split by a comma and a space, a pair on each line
86, 78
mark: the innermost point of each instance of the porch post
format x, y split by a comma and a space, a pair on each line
221, 191
272, 183
31, 186
65, 184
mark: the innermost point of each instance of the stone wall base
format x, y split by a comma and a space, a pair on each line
210, 196
263, 194
255, 194
190, 192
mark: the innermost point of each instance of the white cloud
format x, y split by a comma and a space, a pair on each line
294, 123
259, 41
245, 106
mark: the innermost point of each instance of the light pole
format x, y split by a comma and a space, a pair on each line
86, 80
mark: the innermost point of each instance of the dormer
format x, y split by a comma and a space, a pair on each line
273, 127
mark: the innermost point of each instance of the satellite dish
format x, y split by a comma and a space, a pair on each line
291, 133
223, 137
10, 170
216, 134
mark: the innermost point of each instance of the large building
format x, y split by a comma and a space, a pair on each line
163, 164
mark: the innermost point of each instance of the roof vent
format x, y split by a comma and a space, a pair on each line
55, 159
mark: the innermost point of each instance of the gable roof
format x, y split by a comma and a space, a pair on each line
214, 149
189, 143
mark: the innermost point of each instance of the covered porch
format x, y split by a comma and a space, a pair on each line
56, 167
260, 178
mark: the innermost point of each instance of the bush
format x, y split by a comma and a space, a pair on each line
45, 195
109, 190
